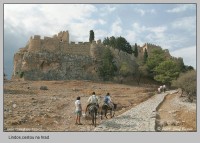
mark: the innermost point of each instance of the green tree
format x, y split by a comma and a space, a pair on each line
119, 43
141, 72
166, 72
157, 57
125, 69
188, 68
108, 68
136, 50
91, 36
123, 45
106, 41
180, 64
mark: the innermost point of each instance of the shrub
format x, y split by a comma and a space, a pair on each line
43, 88
187, 82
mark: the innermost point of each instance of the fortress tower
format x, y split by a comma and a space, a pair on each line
63, 36
35, 43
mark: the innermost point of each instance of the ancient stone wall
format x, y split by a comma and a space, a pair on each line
60, 42
54, 58
78, 49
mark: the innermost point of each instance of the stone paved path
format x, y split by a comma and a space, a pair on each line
140, 118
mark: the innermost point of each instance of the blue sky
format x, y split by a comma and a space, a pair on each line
171, 26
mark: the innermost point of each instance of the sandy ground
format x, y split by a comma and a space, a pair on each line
175, 114
28, 108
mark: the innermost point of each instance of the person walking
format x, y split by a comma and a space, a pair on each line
78, 111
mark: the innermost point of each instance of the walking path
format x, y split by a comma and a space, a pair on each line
140, 118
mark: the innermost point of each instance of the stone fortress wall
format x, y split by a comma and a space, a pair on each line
56, 58
60, 42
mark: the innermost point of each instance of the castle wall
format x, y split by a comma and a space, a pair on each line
96, 50
78, 49
51, 44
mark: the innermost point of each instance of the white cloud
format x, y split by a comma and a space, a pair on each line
101, 21
116, 28
110, 8
141, 34
50, 19
100, 34
142, 12
188, 54
107, 9
185, 23
181, 8
151, 32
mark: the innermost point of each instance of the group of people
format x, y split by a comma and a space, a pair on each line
93, 99
161, 89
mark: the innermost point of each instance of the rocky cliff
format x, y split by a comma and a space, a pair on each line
54, 58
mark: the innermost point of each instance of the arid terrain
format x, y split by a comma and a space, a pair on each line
29, 108
176, 114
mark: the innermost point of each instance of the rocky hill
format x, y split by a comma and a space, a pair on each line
55, 58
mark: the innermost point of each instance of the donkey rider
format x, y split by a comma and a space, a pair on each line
108, 101
93, 100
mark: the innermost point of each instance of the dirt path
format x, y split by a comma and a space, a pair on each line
176, 115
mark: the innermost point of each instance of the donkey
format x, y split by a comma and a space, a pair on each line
105, 108
93, 110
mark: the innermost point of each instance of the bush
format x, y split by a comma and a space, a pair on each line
187, 82
43, 88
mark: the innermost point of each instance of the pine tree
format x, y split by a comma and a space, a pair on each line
91, 36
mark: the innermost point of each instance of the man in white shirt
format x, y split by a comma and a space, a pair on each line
93, 99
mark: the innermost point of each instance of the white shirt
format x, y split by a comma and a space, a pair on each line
78, 105
93, 99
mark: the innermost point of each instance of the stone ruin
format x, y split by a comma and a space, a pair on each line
58, 58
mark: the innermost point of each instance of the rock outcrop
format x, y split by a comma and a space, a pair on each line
55, 58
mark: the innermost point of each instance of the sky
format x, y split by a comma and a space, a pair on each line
171, 26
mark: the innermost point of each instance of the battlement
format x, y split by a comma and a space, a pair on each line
60, 42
